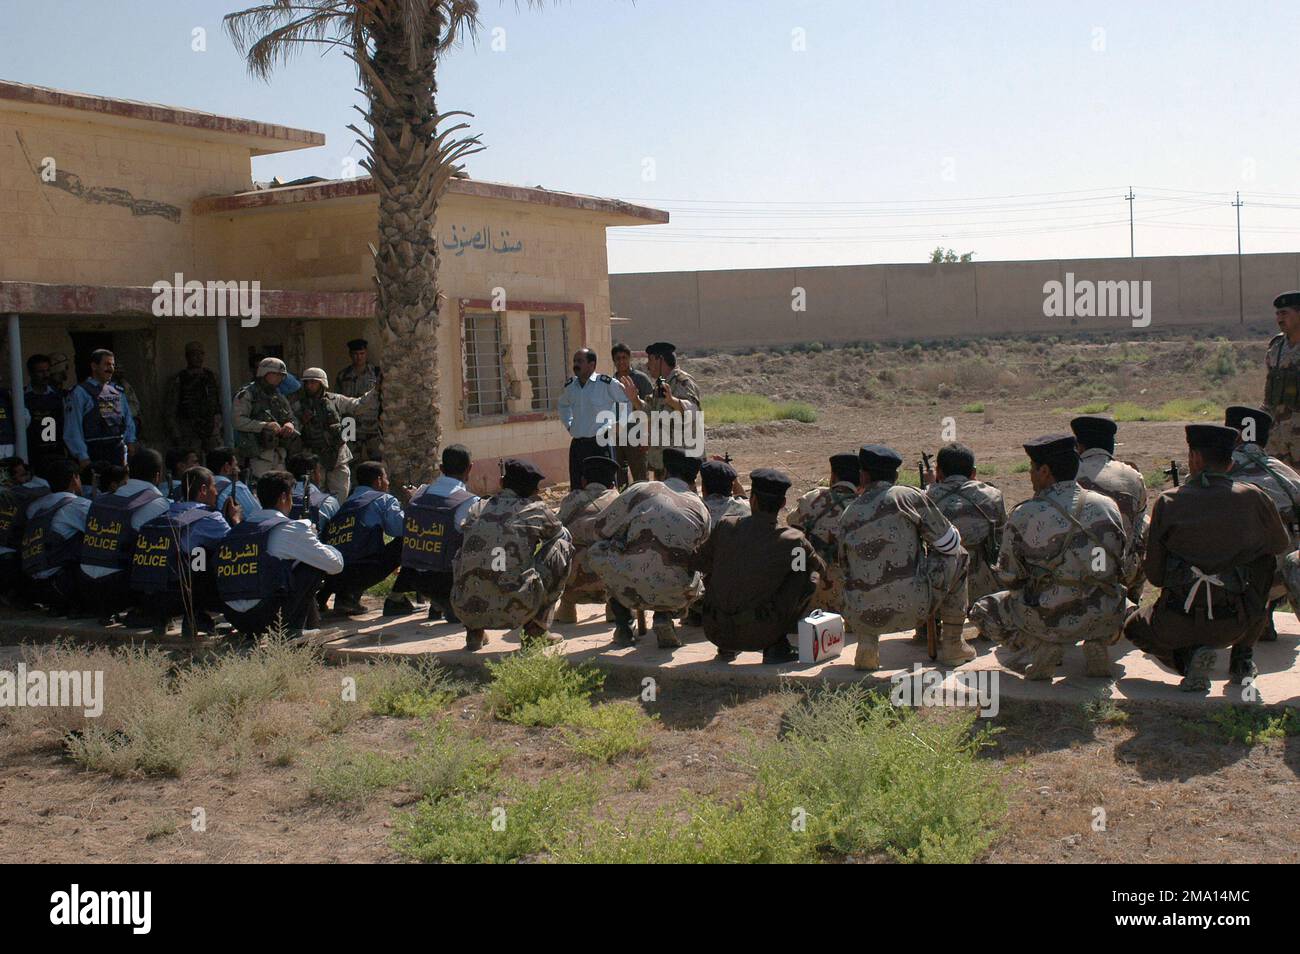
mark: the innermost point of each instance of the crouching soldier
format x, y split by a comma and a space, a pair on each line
112, 523
1099, 470
1252, 465
1061, 564
977, 511
513, 562
758, 577
309, 501
648, 538
51, 546
903, 561
1212, 550
269, 567
170, 568
818, 515
579, 511
723, 497
435, 523
357, 531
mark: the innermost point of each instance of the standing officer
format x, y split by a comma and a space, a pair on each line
1282, 386
265, 428
321, 419
44, 400
97, 425
587, 401
192, 404
355, 381
638, 387
675, 391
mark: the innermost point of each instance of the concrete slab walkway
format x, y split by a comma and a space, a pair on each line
1137, 677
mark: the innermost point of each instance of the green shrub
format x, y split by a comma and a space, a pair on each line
411, 690
796, 411
1251, 726
603, 733
534, 687
731, 408
345, 774
976, 408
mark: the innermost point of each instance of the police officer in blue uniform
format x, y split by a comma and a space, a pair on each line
357, 531
51, 545
170, 566
435, 517
586, 405
44, 400
98, 424
310, 502
225, 470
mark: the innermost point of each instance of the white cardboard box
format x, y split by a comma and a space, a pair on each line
821, 636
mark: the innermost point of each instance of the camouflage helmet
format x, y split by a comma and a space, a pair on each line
316, 374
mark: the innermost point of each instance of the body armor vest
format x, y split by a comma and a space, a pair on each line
104, 424
431, 540
42, 548
14, 502
265, 407
109, 538
162, 549
245, 568
347, 534
42, 406
196, 397
306, 505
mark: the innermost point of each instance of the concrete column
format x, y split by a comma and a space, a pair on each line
16, 386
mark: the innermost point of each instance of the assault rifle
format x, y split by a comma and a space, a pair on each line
922, 466
1172, 472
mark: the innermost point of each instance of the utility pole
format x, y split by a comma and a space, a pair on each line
1130, 197
1241, 302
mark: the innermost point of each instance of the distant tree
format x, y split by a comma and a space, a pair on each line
942, 256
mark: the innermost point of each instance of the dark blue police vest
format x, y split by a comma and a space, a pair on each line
104, 424
346, 533
162, 549
43, 549
42, 406
245, 568
431, 540
306, 506
14, 502
109, 539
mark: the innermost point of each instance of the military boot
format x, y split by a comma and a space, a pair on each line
566, 612
868, 653
666, 632
1045, 658
920, 636
534, 633
953, 648
475, 639
1199, 667
1241, 665
1096, 659
624, 633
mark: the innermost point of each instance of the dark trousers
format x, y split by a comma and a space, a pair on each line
360, 575
630, 459
60, 592
11, 573
292, 606
434, 585
165, 606
580, 448
105, 595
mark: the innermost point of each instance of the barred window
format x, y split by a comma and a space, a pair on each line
485, 373
548, 355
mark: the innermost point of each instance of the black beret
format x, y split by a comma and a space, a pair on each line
1238, 414
1094, 429
660, 348
600, 469
522, 472
879, 457
1051, 447
1287, 300
1212, 437
845, 462
358, 344
765, 480
718, 469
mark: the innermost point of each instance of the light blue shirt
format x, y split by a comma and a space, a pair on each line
68, 522
78, 405
445, 486
243, 496
580, 404
329, 506
384, 511
146, 512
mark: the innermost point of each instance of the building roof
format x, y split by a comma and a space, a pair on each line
259, 137
614, 211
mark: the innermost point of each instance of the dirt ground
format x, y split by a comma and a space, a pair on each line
1167, 786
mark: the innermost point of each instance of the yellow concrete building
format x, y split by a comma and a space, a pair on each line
100, 199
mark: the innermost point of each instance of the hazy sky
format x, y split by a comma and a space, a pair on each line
798, 133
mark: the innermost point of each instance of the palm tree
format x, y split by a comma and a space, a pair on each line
396, 45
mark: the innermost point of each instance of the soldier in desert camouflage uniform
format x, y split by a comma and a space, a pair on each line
1251, 465
902, 560
975, 508
679, 394
266, 431
818, 515
513, 562
649, 536
1282, 385
718, 482
579, 511
1123, 483
1061, 563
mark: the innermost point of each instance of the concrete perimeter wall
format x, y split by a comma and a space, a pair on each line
752, 307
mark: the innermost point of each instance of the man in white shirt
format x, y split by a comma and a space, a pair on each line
435, 519
585, 398
271, 566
